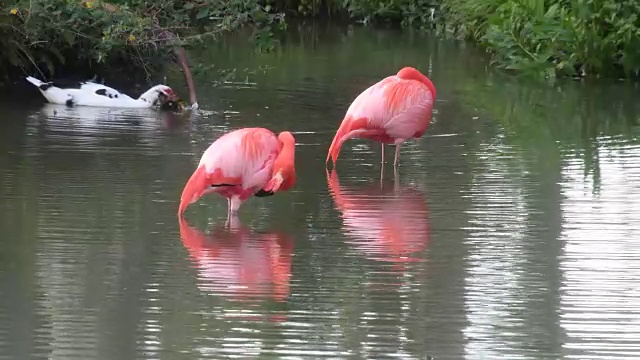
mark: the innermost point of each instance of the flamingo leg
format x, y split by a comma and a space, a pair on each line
396, 179
382, 166
234, 204
395, 162
233, 221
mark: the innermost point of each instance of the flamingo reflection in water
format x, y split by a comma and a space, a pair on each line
239, 264
386, 224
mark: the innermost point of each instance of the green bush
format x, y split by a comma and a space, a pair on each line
548, 37
44, 32
553, 37
49, 34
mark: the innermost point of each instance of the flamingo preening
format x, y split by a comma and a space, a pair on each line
241, 164
395, 109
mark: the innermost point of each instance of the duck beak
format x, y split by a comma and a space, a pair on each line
172, 97
194, 189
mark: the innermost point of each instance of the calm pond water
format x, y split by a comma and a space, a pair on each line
513, 233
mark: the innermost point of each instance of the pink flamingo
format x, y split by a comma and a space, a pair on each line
238, 263
241, 164
395, 109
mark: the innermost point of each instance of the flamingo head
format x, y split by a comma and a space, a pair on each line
286, 161
284, 171
410, 73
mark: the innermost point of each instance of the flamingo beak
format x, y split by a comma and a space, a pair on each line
194, 189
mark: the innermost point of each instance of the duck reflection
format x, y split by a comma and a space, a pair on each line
239, 264
386, 223
96, 117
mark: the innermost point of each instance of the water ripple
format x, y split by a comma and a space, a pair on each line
601, 255
384, 224
238, 264
499, 284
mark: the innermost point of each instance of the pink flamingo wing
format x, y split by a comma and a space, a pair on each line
409, 106
243, 154
399, 106
371, 104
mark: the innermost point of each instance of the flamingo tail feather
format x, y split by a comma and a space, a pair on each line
34, 81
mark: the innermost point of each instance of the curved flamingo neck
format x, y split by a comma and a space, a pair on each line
285, 162
409, 73
286, 140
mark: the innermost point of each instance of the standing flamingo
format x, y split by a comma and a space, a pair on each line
395, 109
241, 164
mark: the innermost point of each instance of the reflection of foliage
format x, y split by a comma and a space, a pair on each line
415, 13
234, 58
575, 119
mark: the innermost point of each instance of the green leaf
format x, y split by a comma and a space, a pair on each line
58, 55
69, 37
202, 13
